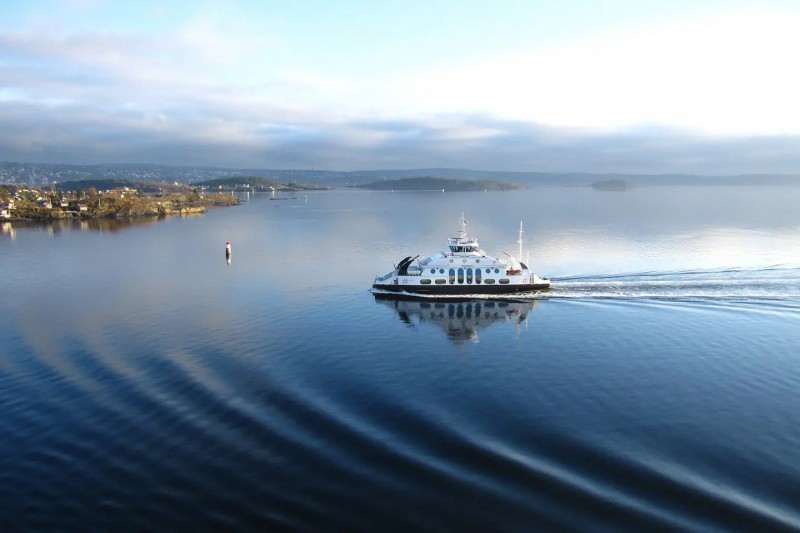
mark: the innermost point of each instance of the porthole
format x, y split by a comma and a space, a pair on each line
441, 271
496, 270
464, 260
477, 260
433, 271
488, 270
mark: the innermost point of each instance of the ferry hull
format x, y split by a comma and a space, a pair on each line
455, 290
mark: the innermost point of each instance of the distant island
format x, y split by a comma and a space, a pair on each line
257, 183
613, 185
232, 183
433, 183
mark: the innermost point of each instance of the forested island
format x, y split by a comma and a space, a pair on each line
433, 183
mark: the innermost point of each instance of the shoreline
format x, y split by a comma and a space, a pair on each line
118, 207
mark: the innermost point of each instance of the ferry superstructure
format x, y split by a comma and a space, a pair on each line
463, 269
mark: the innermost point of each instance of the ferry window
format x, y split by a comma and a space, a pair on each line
488, 270
433, 271
489, 281
425, 281
477, 260
469, 276
452, 276
477, 275
460, 275
505, 281
440, 281
441, 271
496, 270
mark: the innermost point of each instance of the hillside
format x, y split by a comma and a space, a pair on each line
109, 184
41, 174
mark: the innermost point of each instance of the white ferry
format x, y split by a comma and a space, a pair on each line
463, 269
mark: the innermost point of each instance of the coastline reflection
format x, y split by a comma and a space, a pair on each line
461, 320
54, 227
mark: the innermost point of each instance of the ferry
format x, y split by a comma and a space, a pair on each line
463, 269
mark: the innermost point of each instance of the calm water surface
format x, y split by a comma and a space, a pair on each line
146, 383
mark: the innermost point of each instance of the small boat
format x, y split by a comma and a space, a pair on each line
463, 269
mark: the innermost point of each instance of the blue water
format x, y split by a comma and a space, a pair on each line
146, 383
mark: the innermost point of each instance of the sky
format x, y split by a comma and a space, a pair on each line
695, 87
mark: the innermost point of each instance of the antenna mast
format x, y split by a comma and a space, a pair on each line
463, 226
521, 239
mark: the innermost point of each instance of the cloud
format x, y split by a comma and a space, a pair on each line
723, 73
713, 94
76, 134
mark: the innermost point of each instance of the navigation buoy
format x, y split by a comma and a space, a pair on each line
227, 249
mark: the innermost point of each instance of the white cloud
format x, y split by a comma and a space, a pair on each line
729, 73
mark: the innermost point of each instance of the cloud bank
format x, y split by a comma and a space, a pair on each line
714, 94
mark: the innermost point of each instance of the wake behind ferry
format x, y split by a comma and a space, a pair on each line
464, 269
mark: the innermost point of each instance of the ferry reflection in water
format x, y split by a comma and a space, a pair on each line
460, 319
